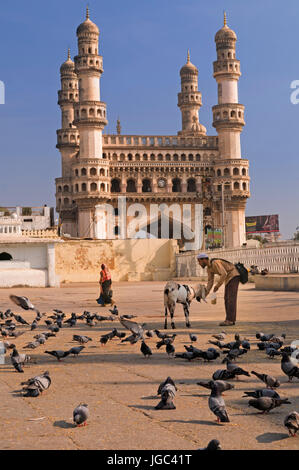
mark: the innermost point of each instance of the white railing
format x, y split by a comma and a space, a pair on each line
280, 258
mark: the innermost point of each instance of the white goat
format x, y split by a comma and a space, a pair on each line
181, 293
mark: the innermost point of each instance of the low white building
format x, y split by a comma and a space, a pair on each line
27, 262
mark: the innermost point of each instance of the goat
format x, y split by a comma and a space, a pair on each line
178, 293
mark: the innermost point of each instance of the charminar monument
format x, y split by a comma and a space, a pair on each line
188, 168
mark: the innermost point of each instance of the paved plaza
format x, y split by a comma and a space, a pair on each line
120, 385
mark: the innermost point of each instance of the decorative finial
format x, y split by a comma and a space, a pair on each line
87, 13
118, 127
188, 56
68, 54
224, 20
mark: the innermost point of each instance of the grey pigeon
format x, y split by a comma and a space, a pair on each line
162, 385
220, 384
264, 392
170, 349
23, 302
58, 354
222, 374
270, 381
167, 396
193, 337
81, 414
134, 327
266, 404
81, 338
114, 311
35, 386
220, 336
291, 422
214, 444
76, 350
132, 339
235, 369
18, 360
288, 366
217, 404
145, 349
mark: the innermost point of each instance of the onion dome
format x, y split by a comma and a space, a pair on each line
87, 26
68, 65
225, 33
188, 67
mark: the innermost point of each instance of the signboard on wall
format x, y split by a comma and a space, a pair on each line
262, 224
214, 238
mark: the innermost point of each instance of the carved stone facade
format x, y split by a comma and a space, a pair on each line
187, 168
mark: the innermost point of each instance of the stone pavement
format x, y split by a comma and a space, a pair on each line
120, 385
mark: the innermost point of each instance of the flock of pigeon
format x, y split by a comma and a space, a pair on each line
264, 399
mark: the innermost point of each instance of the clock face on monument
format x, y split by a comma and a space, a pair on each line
161, 183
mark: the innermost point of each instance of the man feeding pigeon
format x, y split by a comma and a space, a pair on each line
230, 276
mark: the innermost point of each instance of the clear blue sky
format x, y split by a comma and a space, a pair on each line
144, 44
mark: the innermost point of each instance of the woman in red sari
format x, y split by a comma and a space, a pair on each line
105, 283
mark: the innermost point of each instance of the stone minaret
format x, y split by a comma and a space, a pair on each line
90, 119
228, 119
67, 144
189, 100
67, 136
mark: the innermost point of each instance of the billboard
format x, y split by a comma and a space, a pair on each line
262, 224
214, 238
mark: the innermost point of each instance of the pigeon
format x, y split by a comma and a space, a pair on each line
168, 392
221, 385
18, 360
149, 333
193, 337
214, 444
165, 341
104, 339
264, 392
81, 415
145, 349
221, 336
266, 404
16, 334
222, 374
132, 339
187, 355
58, 354
210, 355
270, 381
220, 344
35, 386
114, 311
245, 344
170, 349
232, 345
163, 335
48, 322
32, 345
217, 404
288, 367
271, 352
23, 302
20, 319
119, 334
33, 325
81, 338
54, 328
128, 317
291, 422
232, 354
279, 339
167, 381
234, 369
72, 320
264, 337
76, 350
134, 327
